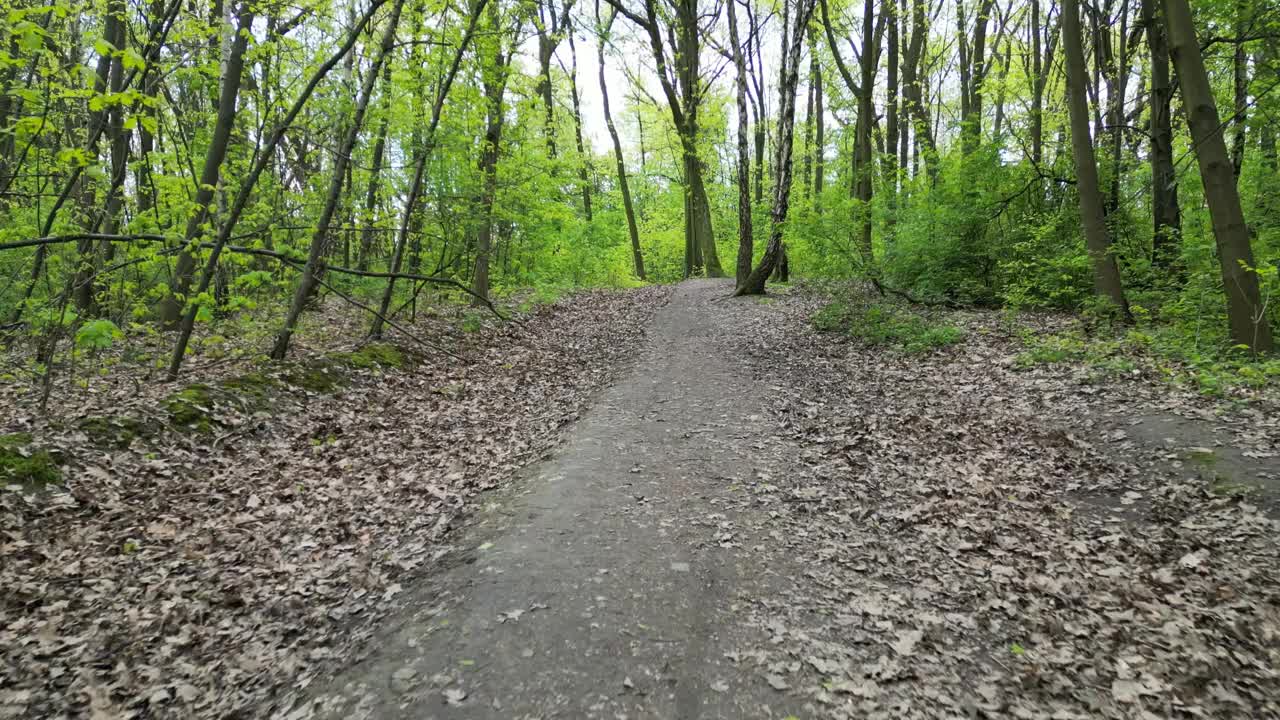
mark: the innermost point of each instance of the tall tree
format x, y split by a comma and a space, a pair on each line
1246, 313
789, 77
861, 89
1106, 273
494, 54
552, 25
746, 238
313, 269
685, 90
172, 304
1166, 214
628, 208
422, 150
584, 158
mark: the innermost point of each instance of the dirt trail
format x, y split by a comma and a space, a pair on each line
756, 521
594, 587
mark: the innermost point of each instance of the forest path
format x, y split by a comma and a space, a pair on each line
758, 520
610, 580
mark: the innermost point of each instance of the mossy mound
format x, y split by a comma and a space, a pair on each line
193, 407
316, 375
258, 388
115, 431
21, 463
372, 356
198, 406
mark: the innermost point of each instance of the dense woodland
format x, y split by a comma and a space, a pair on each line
348, 370
170, 165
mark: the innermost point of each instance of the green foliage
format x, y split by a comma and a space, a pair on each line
97, 334
886, 324
1172, 351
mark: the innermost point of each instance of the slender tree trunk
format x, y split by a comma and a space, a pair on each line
1106, 273
891, 107
494, 83
1246, 313
1166, 215
819, 124
866, 117
628, 208
684, 94
584, 160
913, 88
110, 78
746, 239
790, 76
1037, 91
755, 63
172, 304
806, 160
1117, 90
1240, 84
237, 207
368, 231
1266, 59
314, 266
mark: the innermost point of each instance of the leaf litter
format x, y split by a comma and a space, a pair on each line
196, 576
969, 537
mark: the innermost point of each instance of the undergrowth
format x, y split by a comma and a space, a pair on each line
886, 324
1171, 352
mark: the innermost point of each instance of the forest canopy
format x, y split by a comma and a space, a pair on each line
169, 165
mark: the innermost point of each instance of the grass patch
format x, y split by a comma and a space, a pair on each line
885, 324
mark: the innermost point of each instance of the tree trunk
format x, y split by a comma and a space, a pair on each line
313, 268
866, 117
1240, 84
368, 232
1246, 314
773, 252
628, 208
1037, 91
819, 128
1106, 274
1166, 215
746, 239
913, 88
237, 207
1117, 82
172, 304
891, 112
684, 96
494, 83
584, 160
806, 160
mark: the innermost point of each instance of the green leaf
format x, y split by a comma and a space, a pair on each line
98, 334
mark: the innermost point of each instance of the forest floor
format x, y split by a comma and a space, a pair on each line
749, 519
